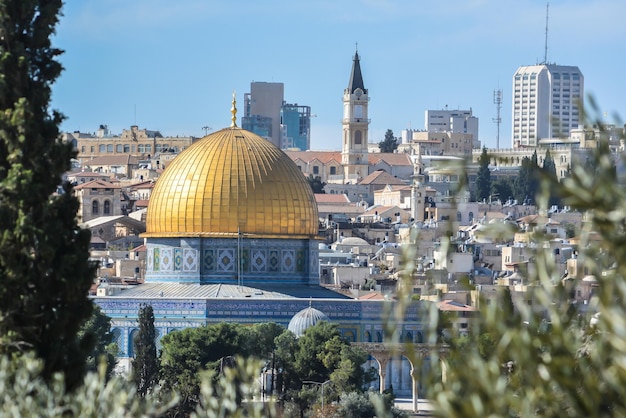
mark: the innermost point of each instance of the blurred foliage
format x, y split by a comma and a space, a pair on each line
24, 393
552, 358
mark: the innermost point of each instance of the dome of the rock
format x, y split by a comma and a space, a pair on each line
228, 183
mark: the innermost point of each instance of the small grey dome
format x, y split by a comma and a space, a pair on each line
304, 319
354, 241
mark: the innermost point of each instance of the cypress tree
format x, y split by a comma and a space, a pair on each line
45, 271
145, 363
483, 177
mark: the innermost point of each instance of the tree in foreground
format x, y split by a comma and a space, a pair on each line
44, 259
145, 365
554, 359
105, 348
26, 394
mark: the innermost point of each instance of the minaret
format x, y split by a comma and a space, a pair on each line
354, 156
418, 190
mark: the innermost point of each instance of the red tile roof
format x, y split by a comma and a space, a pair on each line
96, 184
453, 306
121, 159
329, 198
382, 178
308, 156
400, 158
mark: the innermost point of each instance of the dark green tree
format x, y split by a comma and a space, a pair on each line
321, 354
483, 177
44, 258
390, 143
503, 187
145, 370
105, 347
316, 183
522, 185
548, 172
187, 352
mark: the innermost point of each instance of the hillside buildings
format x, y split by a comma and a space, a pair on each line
136, 142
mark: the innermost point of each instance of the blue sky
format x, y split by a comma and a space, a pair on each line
173, 65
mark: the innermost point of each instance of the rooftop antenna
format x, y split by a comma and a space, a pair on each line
545, 49
497, 99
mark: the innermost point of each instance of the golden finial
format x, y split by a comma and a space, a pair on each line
233, 111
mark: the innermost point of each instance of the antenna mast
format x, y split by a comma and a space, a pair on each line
545, 49
497, 99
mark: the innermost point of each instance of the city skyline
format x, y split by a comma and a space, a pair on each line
173, 67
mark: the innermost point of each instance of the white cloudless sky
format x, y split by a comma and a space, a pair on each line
173, 65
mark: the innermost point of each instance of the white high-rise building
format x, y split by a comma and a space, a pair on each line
546, 102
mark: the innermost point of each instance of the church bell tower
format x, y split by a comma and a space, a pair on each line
354, 155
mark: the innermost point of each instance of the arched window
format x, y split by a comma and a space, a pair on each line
379, 337
95, 207
368, 337
102, 148
110, 148
107, 207
119, 148
459, 216
349, 335
357, 138
131, 342
118, 339
471, 216
408, 337
420, 337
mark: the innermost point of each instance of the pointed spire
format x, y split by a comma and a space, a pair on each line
356, 79
233, 111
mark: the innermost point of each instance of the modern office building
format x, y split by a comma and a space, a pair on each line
295, 127
546, 103
262, 110
455, 121
267, 114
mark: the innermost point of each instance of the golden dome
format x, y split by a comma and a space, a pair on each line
228, 182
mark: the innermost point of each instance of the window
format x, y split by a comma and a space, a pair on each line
333, 171
316, 169
119, 148
95, 207
357, 138
102, 148
110, 148
107, 207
